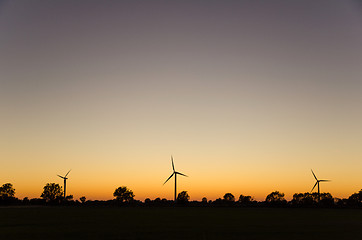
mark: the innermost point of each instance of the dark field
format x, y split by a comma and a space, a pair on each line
178, 223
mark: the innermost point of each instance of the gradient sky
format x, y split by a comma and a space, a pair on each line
247, 96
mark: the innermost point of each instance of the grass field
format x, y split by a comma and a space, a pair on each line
178, 223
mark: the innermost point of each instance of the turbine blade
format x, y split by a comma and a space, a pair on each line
60, 176
314, 175
168, 178
181, 174
67, 173
324, 180
173, 167
314, 186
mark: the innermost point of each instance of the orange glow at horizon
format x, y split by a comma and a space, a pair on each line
203, 182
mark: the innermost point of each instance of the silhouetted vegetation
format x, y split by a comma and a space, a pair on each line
7, 194
123, 194
69, 198
229, 198
183, 197
276, 199
7, 191
312, 200
305, 199
82, 199
157, 202
326, 200
355, 199
52, 193
246, 200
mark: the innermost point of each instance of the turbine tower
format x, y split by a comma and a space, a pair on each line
65, 182
174, 173
317, 183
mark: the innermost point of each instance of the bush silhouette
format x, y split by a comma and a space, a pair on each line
229, 198
82, 199
183, 197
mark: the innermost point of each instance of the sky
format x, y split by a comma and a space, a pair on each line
247, 96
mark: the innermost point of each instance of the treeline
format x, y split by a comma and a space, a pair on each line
53, 195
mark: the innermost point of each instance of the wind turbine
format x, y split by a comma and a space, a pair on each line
65, 182
174, 173
317, 183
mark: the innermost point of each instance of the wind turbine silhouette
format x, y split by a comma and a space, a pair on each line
65, 182
174, 173
317, 183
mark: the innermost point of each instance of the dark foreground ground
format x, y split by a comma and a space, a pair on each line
178, 223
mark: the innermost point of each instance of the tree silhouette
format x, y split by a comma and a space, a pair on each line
52, 192
183, 197
326, 199
245, 200
355, 198
204, 200
305, 199
228, 197
276, 198
82, 199
7, 191
123, 194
